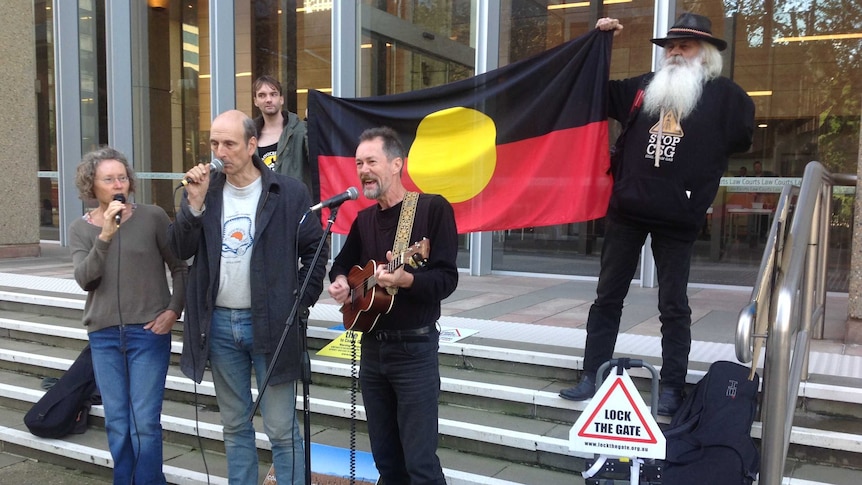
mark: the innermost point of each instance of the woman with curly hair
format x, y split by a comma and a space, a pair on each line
119, 251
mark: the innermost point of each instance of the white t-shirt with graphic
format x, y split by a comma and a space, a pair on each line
238, 217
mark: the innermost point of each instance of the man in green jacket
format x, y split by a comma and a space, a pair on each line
282, 136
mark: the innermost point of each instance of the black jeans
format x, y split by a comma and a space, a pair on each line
619, 260
400, 389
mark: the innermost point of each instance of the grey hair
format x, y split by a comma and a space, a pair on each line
712, 60
248, 128
392, 146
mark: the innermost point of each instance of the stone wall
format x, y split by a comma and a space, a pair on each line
19, 195
854, 305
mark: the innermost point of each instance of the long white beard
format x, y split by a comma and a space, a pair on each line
676, 86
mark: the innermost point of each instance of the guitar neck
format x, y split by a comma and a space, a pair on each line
395, 263
390, 268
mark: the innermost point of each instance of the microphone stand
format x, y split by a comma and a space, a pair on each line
303, 349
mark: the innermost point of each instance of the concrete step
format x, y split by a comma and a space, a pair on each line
533, 378
500, 412
186, 435
185, 424
513, 434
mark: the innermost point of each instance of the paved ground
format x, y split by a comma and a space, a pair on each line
15, 470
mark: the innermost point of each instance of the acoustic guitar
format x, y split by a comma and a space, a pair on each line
367, 300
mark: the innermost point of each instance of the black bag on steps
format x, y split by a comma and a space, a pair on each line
709, 439
63, 409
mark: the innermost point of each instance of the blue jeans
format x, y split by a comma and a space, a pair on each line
400, 389
619, 260
130, 364
232, 360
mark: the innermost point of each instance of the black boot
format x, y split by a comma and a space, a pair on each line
669, 401
583, 391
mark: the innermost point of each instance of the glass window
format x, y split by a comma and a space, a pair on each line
91, 58
800, 63
290, 41
46, 119
174, 123
93, 116
407, 46
416, 44
193, 71
313, 54
528, 28
798, 60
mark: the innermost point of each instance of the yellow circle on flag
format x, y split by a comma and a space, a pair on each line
454, 153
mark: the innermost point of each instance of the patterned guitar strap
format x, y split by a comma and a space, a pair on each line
405, 228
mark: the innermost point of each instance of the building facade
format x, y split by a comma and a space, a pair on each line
147, 77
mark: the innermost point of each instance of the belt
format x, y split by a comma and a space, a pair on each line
421, 334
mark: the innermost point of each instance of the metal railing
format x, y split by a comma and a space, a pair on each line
787, 305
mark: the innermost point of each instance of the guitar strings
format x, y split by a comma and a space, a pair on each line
371, 282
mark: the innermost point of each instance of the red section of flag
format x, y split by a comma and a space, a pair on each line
557, 178
336, 175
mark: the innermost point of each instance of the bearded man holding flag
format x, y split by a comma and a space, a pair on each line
680, 125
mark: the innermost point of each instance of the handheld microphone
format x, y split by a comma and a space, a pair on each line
119, 215
216, 165
336, 200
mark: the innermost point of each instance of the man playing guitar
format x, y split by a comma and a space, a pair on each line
399, 367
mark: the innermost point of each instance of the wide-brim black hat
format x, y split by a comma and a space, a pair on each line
692, 26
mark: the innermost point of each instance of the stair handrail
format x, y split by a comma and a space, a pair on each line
787, 301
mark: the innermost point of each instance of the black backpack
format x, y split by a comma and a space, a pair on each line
63, 409
709, 439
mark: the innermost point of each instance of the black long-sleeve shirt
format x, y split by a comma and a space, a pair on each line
373, 233
675, 195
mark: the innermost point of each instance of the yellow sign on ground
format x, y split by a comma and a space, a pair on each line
343, 346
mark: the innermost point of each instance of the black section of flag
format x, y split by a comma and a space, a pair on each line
554, 90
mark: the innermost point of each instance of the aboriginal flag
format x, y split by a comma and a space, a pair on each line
521, 146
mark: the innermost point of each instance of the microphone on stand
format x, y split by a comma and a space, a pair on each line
350, 194
119, 215
215, 165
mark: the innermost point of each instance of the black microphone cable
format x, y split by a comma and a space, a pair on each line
123, 350
354, 389
197, 421
194, 382
297, 388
